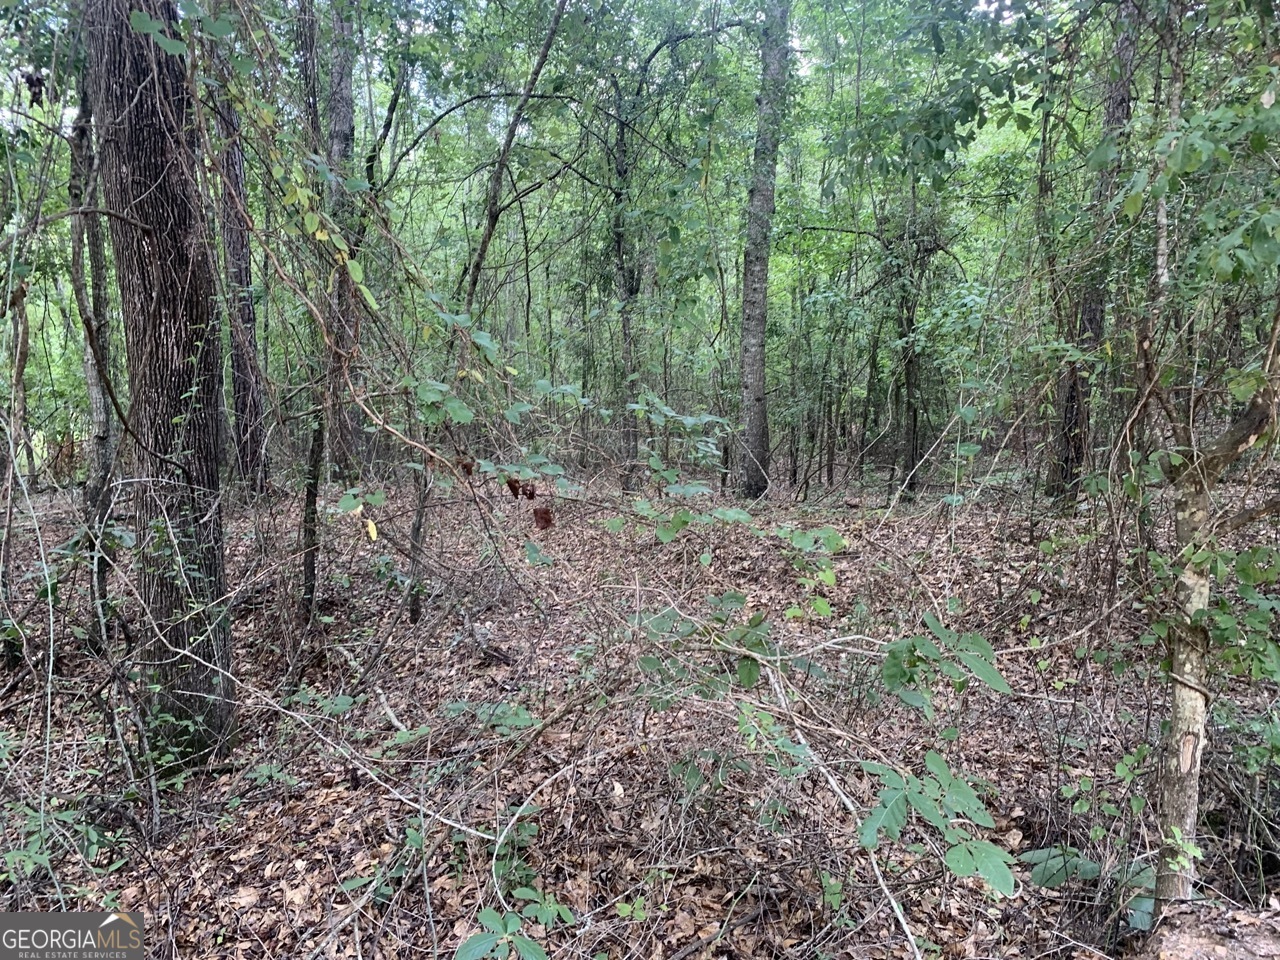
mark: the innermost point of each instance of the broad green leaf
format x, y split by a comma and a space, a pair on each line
458, 411
477, 946
748, 672
984, 671
527, 949
491, 919
171, 46
889, 817
992, 864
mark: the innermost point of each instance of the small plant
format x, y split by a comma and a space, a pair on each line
500, 936
635, 910
543, 907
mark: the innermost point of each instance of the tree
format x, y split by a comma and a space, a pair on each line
1075, 389
246, 377
142, 109
775, 48
91, 302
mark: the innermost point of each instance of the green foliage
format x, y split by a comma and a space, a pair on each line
502, 935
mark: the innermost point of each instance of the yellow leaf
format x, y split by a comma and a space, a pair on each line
371, 528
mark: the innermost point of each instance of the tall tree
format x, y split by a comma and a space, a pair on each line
340, 320
91, 301
246, 377
775, 49
1090, 314
142, 110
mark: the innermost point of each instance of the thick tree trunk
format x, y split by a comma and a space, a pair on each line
775, 49
167, 295
246, 378
91, 301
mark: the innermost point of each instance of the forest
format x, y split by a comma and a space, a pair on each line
705, 479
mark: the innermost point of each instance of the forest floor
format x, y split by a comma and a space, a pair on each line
574, 731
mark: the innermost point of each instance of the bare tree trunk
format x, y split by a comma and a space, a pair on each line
775, 49
1075, 388
19, 438
142, 111
91, 302
1179, 809
246, 378
340, 320
626, 279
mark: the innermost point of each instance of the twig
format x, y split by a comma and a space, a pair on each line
852, 809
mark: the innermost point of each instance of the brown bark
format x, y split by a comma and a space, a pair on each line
775, 49
20, 440
340, 315
165, 274
1179, 808
91, 302
1074, 391
246, 377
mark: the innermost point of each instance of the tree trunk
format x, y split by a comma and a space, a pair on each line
167, 295
20, 439
775, 49
340, 313
1075, 388
1179, 808
626, 279
91, 302
1178, 814
246, 378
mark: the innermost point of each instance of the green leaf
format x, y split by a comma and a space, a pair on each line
513, 412
820, 606
486, 345
477, 946
142, 23
368, 297
889, 817
984, 671
221, 28
171, 46
941, 632
960, 860
355, 883
458, 411
748, 672
355, 271
527, 949
993, 865
492, 920
311, 222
